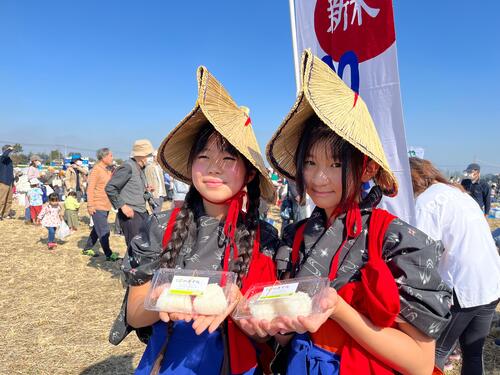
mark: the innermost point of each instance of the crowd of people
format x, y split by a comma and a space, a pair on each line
40, 190
400, 297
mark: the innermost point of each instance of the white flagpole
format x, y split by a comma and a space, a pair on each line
294, 44
309, 204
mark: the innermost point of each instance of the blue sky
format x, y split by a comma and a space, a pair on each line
99, 73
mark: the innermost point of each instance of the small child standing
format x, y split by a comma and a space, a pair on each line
51, 218
71, 207
35, 199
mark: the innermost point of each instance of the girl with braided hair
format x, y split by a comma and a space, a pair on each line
217, 229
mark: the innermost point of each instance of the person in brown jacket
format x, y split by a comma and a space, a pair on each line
98, 205
75, 178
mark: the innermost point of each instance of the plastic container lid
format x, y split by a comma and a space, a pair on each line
190, 291
292, 298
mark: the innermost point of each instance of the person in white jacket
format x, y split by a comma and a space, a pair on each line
156, 181
470, 263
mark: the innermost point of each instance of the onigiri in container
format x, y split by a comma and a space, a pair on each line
190, 291
291, 298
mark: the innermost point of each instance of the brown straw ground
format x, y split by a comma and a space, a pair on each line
56, 308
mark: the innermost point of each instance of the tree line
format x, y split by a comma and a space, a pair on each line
20, 157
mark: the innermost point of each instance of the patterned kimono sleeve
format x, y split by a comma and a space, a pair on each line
413, 258
283, 257
144, 251
139, 264
269, 239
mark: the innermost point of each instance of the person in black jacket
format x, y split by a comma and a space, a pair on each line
6, 182
127, 190
479, 190
289, 210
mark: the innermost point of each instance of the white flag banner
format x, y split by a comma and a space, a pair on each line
356, 38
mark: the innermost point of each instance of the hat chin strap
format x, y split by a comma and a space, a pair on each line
352, 209
235, 205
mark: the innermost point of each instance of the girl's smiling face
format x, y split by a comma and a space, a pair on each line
217, 173
323, 176
329, 168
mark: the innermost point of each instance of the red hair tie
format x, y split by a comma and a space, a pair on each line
365, 164
235, 205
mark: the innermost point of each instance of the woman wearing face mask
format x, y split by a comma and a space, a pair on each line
217, 228
33, 171
75, 178
386, 304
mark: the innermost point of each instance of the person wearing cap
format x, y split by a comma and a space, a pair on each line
33, 169
127, 188
75, 177
478, 189
35, 199
470, 263
6, 182
55, 182
386, 304
215, 151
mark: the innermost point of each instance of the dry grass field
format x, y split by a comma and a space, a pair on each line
56, 308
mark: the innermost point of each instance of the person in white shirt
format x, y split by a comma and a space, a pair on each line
155, 179
470, 263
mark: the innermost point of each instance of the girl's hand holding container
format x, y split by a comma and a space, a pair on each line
294, 305
204, 297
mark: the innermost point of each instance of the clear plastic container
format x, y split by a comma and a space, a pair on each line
292, 297
190, 291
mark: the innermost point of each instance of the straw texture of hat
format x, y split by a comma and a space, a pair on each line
325, 95
214, 106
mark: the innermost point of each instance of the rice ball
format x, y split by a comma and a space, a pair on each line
262, 309
211, 302
174, 302
292, 306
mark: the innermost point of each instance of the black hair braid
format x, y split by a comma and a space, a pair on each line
184, 225
246, 231
345, 155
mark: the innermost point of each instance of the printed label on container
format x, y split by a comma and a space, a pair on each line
188, 285
278, 291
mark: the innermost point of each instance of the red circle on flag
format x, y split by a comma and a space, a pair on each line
363, 26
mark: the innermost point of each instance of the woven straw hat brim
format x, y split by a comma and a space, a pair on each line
324, 94
214, 106
173, 152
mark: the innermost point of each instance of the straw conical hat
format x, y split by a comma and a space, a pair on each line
324, 94
213, 105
